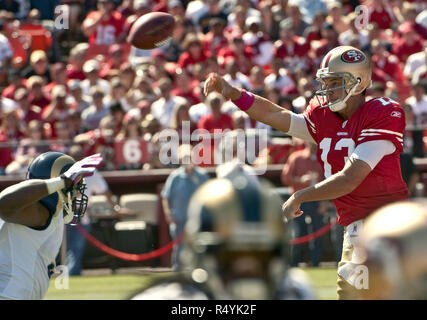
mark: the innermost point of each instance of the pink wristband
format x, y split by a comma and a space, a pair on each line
245, 101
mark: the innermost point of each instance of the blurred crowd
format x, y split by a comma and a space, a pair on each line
69, 77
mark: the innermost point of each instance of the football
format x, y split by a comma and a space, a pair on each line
151, 30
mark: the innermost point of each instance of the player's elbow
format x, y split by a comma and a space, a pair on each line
6, 214
350, 182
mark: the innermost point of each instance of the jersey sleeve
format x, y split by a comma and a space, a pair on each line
310, 119
385, 120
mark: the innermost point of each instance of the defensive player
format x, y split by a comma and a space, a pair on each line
394, 239
358, 145
235, 247
32, 217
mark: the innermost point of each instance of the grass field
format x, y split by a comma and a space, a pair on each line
119, 287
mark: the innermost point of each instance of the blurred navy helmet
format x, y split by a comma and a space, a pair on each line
394, 241
235, 239
73, 200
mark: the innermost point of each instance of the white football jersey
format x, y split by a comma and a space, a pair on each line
27, 258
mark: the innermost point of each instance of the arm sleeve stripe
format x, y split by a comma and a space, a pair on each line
309, 121
383, 131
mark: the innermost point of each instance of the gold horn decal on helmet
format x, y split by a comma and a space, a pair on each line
57, 166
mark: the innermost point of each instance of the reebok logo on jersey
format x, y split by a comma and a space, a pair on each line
396, 114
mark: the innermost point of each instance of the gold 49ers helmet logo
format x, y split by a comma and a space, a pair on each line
352, 56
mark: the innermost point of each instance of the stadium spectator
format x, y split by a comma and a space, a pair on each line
214, 11
57, 108
126, 8
336, 16
314, 32
386, 67
104, 26
29, 147
74, 121
409, 171
291, 49
328, 42
39, 64
117, 95
415, 62
143, 89
270, 25
346, 36
91, 69
418, 103
76, 99
26, 111
381, 13
63, 141
100, 140
37, 96
130, 130
234, 76
111, 67
294, 16
163, 108
15, 81
258, 41
216, 119
301, 171
92, 115
176, 194
257, 77
239, 52
280, 79
58, 74
193, 53
10, 134
39, 33
127, 75
6, 55
176, 8
409, 12
173, 48
215, 39
408, 43
76, 60
236, 29
186, 87
181, 121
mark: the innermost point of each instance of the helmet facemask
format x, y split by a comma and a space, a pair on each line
74, 202
348, 88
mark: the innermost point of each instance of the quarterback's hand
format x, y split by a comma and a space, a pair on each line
291, 208
83, 168
215, 82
